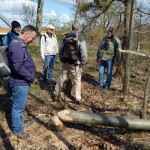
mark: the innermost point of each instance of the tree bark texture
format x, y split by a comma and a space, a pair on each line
126, 57
146, 95
39, 15
78, 12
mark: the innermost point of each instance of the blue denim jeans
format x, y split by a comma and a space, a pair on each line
48, 66
109, 66
19, 100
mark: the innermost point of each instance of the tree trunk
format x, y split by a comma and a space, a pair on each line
39, 15
104, 120
126, 44
131, 25
146, 95
78, 12
123, 69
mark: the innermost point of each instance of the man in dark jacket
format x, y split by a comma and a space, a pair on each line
15, 31
22, 75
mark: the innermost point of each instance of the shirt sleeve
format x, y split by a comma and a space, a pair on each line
84, 56
101, 47
42, 47
5, 40
56, 44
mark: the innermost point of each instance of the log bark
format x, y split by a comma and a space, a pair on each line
105, 120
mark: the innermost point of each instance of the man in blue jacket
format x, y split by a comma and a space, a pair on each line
15, 31
22, 75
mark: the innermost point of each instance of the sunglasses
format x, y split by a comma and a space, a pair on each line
50, 29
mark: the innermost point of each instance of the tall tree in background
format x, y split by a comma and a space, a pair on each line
126, 46
128, 40
39, 15
28, 14
78, 4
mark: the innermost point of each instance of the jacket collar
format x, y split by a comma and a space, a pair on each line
20, 41
49, 35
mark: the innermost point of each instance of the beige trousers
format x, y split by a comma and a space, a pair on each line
74, 73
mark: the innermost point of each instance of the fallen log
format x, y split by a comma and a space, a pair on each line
101, 119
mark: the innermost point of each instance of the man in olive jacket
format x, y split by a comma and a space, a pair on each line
107, 55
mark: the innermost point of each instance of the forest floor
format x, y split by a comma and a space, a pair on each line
41, 107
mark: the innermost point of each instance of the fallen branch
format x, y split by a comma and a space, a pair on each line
133, 52
144, 138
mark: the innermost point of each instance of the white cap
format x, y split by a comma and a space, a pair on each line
50, 26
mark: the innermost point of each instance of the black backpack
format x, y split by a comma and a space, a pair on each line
70, 51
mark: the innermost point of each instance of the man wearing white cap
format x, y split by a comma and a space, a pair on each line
49, 49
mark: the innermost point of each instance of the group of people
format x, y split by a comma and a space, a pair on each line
23, 68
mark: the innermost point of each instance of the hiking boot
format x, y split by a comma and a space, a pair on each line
105, 87
53, 82
81, 101
22, 135
56, 98
28, 123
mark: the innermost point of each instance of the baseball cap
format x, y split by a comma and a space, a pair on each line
50, 27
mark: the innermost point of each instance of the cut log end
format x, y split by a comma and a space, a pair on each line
65, 115
55, 124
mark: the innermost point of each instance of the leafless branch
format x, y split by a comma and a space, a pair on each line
142, 32
119, 21
141, 11
96, 16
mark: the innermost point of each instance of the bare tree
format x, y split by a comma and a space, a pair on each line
54, 21
32, 16
28, 14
